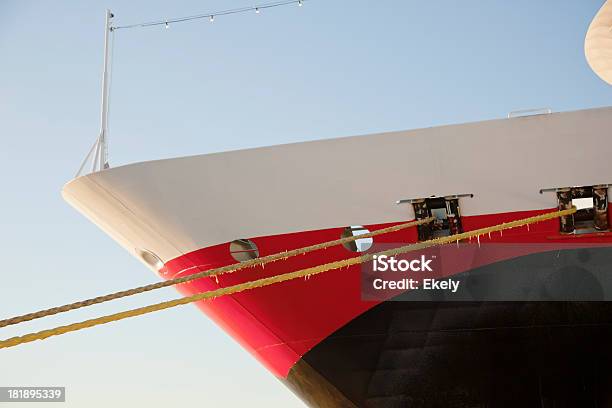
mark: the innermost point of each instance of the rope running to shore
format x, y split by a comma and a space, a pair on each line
212, 272
305, 273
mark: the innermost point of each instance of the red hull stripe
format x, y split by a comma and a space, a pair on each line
278, 324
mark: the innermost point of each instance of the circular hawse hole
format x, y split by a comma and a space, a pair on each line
360, 244
243, 250
151, 259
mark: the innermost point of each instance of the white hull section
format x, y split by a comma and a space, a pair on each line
175, 206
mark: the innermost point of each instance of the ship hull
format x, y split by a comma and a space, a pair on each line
280, 323
427, 349
321, 335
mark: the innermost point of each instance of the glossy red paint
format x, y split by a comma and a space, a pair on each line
278, 324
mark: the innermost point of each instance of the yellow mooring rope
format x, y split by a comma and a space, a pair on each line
211, 272
41, 335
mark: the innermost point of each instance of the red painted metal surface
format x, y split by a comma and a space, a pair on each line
280, 323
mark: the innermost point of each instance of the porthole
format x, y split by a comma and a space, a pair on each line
360, 244
243, 250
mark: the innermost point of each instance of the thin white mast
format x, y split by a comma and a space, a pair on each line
99, 149
102, 152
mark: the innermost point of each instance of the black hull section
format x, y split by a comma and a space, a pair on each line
470, 354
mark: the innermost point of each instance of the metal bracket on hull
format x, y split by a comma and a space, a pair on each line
590, 217
444, 209
557, 189
414, 200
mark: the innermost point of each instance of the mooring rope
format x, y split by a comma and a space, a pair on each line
41, 335
211, 272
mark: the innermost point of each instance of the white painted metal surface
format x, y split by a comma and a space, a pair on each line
171, 207
99, 149
598, 43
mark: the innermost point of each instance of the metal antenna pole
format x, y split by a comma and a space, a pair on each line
101, 158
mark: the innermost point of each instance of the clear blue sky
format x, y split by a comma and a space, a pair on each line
331, 68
